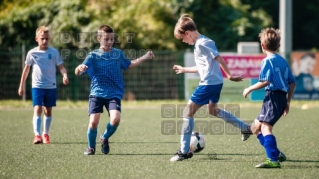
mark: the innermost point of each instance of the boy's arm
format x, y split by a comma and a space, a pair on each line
292, 87
223, 65
179, 69
138, 61
64, 74
289, 96
24, 76
256, 86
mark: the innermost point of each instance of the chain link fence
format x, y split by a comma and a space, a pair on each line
153, 79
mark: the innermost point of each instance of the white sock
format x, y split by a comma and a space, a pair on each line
46, 124
36, 124
229, 118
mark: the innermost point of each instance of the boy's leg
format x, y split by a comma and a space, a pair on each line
111, 128
49, 100
47, 118
92, 133
95, 110
37, 125
230, 118
256, 129
270, 145
114, 108
37, 100
186, 132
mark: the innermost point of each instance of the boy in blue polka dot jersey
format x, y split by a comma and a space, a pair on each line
104, 67
277, 79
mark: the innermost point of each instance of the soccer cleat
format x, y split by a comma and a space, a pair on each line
46, 139
89, 151
37, 139
105, 148
282, 157
179, 156
245, 135
269, 164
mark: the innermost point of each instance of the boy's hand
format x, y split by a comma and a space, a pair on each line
82, 68
148, 55
178, 69
286, 111
65, 80
236, 78
246, 92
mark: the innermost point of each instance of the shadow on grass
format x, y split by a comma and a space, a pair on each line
304, 161
68, 143
298, 166
209, 156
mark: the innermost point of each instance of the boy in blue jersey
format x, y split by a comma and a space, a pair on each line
104, 67
208, 63
43, 60
277, 79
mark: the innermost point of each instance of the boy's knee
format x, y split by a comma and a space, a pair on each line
93, 125
214, 112
115, 121
255, 131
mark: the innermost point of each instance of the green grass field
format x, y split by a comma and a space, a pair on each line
140, 150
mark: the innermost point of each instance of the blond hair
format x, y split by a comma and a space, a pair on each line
270, 38
184, 24
42, 29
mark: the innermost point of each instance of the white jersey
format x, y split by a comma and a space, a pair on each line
43, 64
205, 52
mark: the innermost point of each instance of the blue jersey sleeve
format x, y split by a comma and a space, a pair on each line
88, 60
265, 71
125, 62
291, 78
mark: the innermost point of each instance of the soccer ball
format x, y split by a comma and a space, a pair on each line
198, 142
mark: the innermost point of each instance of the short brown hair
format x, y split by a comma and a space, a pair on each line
270, 38
184, 24
105, 28
42, 29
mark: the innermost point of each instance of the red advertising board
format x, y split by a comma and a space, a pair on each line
246, 65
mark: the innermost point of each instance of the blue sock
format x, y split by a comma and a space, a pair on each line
186, 131
91, 134
270, 146
109, 131
229, 118
261, 139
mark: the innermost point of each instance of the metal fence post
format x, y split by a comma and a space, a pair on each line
23, 59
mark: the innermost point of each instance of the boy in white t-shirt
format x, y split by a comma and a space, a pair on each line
43, 60
208, 63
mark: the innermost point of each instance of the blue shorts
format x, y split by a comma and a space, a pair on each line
274, 105
205, 93
44, 97
96, 104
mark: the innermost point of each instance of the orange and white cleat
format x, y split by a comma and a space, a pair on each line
37, 139
46, 139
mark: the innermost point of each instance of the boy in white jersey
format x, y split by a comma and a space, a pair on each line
208, 63
104, 67
277, 79
43, 60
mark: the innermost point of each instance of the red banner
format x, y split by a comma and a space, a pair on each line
246, 65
